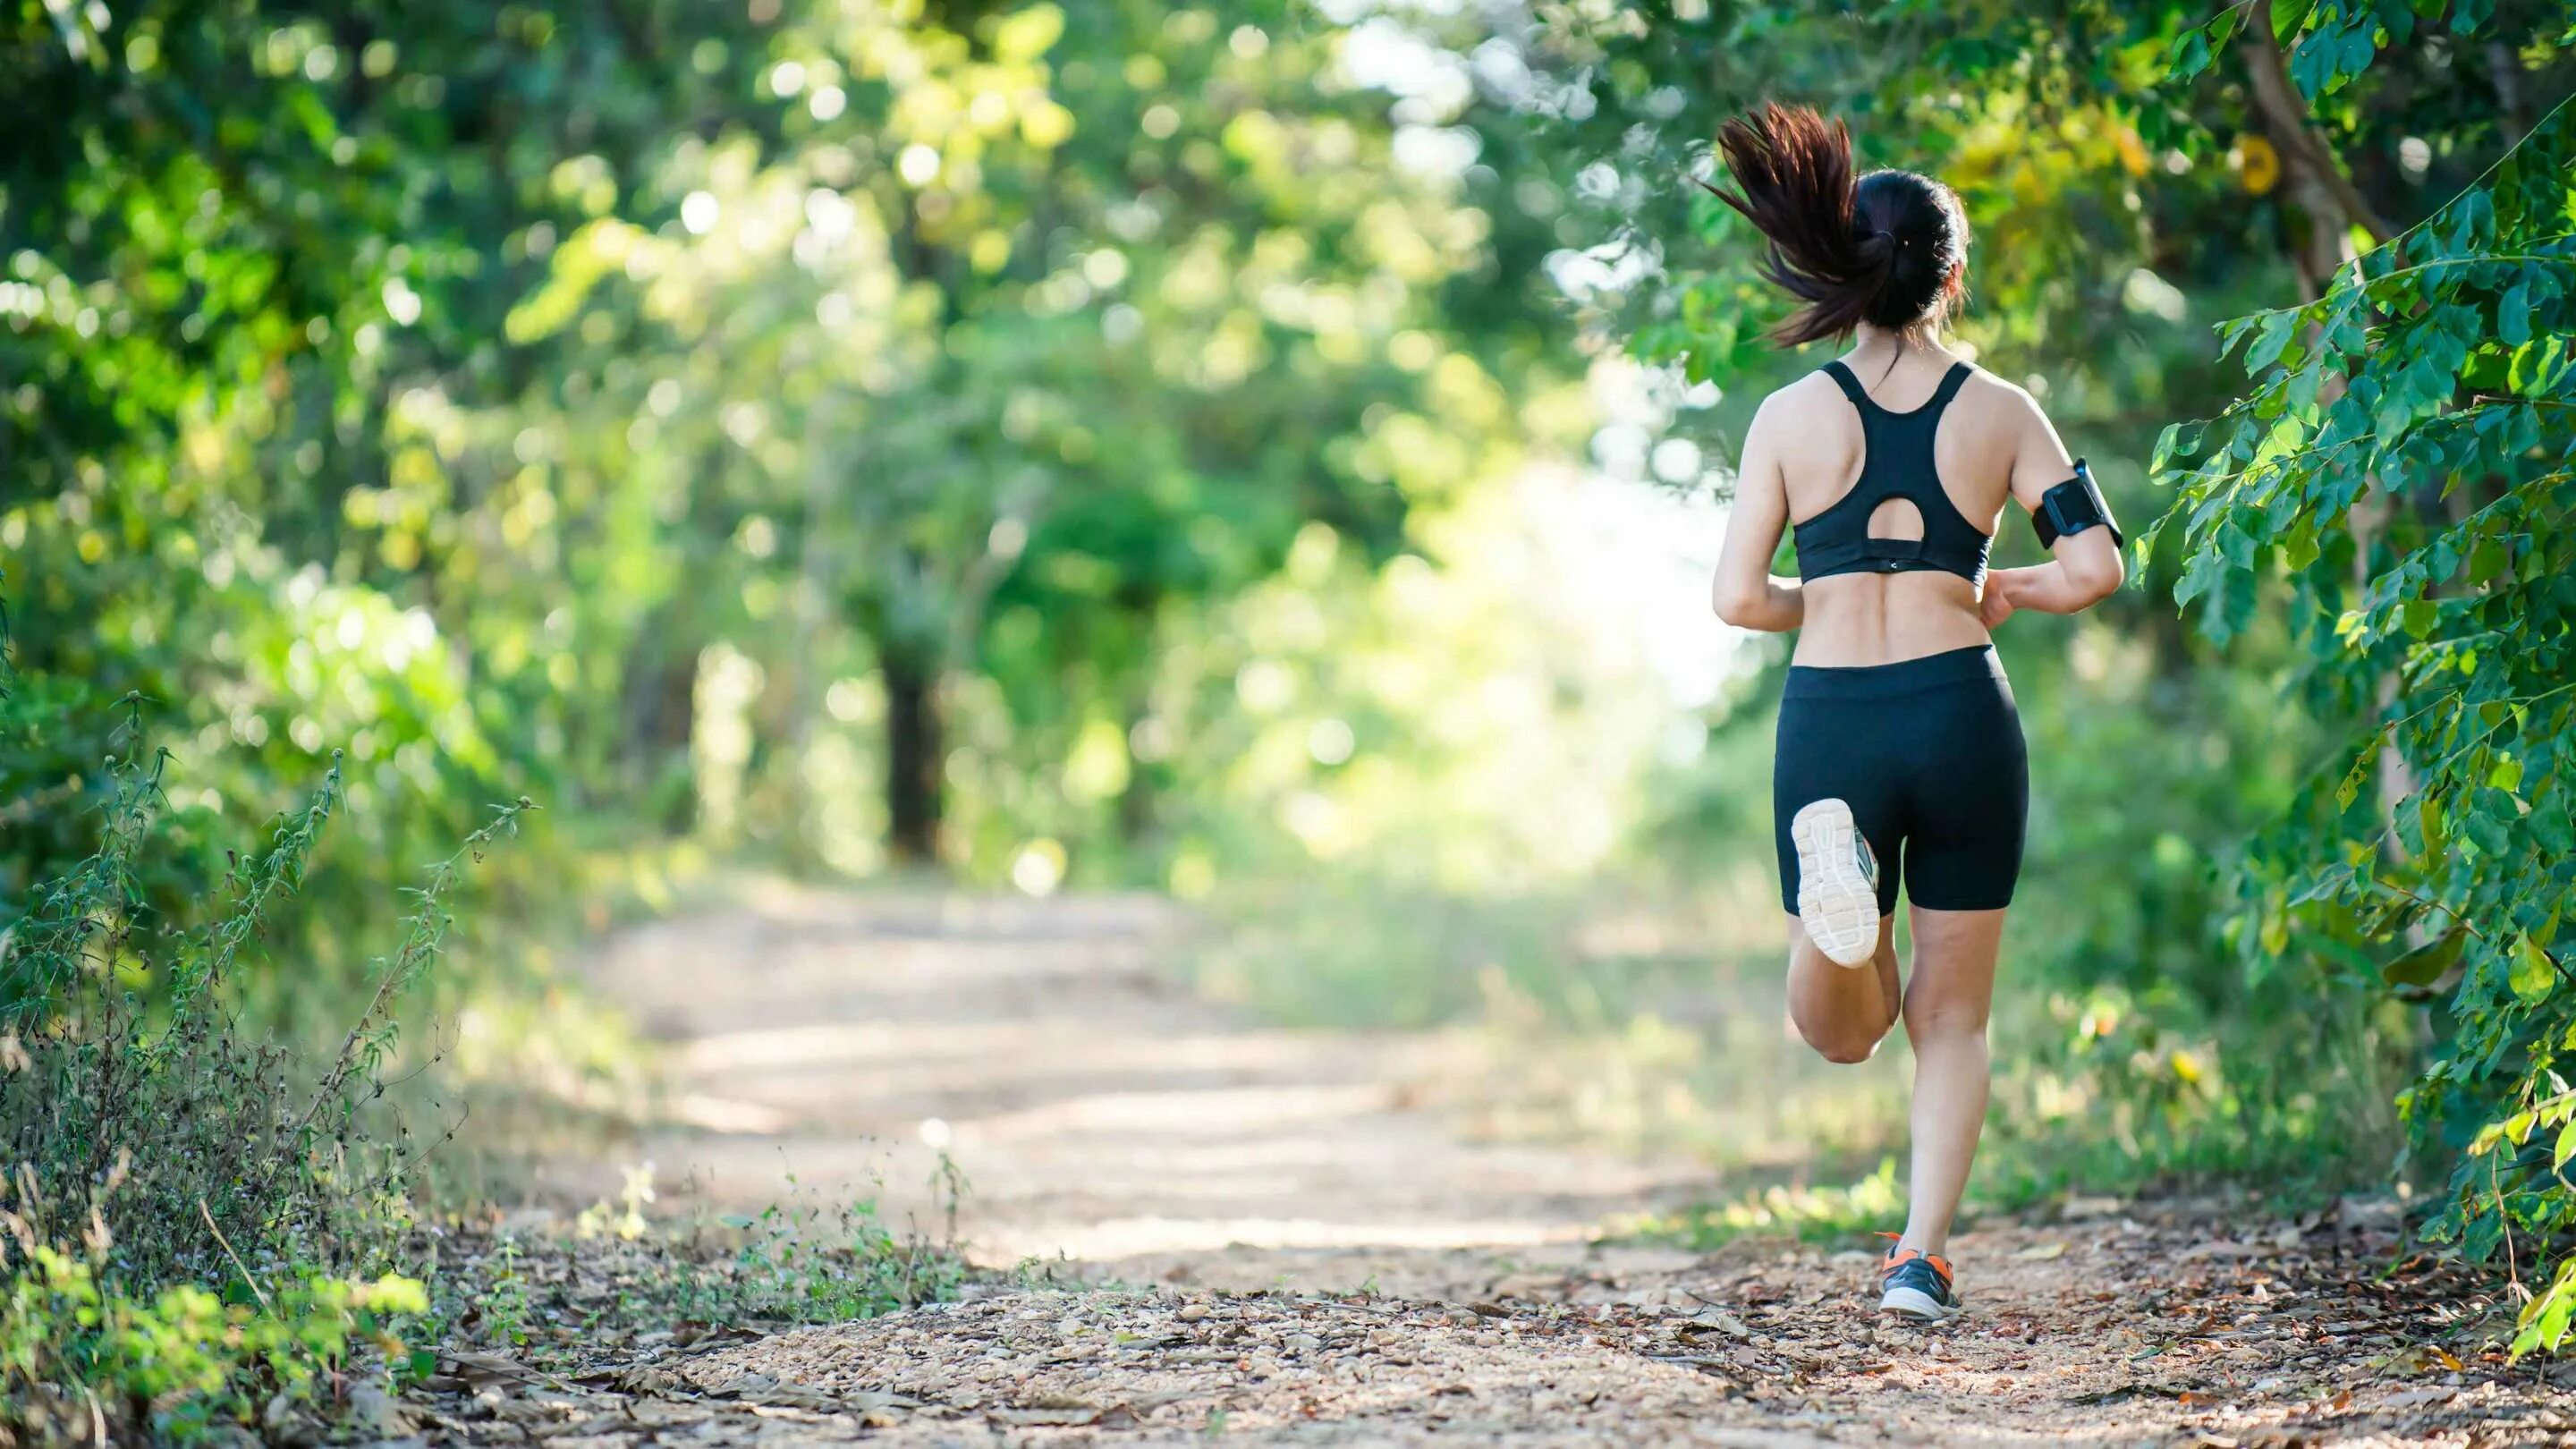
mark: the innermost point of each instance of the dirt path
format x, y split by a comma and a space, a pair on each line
1282, 1241
1097, 1109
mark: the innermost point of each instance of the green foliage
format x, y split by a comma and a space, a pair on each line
1019, 350
808, 1265
2400, 461
83, 1353
215, 247
798, 425
1809, 1214
1804, 1213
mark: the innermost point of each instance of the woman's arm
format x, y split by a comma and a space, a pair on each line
2083, 568
1747, 595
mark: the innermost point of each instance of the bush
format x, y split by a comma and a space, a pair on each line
135, 1096
2400, 458
142, 1121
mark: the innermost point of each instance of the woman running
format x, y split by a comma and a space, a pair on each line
1900, 750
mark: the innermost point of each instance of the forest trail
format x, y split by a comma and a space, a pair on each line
1283, 1237
1096, 1107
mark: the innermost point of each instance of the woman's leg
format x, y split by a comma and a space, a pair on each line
1946, 1003
1842, 1011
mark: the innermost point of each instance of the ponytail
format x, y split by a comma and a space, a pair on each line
1882, 249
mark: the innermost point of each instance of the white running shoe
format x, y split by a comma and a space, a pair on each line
1837, 883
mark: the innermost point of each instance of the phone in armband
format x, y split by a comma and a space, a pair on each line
2072, 507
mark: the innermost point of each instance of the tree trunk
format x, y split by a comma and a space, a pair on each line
662, 729
2312, 177
1137, 805
916, 755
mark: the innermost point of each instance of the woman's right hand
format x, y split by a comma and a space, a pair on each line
1995, 604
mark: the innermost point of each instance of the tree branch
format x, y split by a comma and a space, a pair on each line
2285, 114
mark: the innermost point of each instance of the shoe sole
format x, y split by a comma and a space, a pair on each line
1836, 903
1916, 1304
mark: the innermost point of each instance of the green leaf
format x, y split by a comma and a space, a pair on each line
2312, 65
2189, 55
2270, 339
2349, 788
2356, 53
2425, 964
2513, 315
2300, 547
2472, 219
2303, 388
2533, 975
2507, 774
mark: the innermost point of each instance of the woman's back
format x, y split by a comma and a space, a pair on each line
1954, 446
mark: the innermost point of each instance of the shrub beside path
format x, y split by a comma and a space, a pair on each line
1204, 1229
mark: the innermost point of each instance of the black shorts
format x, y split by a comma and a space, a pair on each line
1928, 752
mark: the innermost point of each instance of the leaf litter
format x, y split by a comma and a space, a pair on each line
2121, 1336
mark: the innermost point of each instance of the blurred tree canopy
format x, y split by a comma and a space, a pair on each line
671, 407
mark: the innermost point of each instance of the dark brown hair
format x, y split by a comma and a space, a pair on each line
1887, 249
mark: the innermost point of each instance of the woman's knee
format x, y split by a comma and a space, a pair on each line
1944, 1020
1843, 1044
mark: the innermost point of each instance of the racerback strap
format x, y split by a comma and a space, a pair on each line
1896, 463
1951, 382
1850, 385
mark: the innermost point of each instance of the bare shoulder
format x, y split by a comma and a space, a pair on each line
1799, 403
2023, 437
2001, 399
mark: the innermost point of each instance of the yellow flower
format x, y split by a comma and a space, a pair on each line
2256, 163
2133, 152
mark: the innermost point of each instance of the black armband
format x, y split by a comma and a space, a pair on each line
2072, 507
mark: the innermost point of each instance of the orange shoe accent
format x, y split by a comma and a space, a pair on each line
1897, 1257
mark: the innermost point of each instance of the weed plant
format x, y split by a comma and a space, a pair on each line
617, 1278
194, 1226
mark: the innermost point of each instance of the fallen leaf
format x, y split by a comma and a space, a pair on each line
2418, 1398
483, 1369
1717, 1320
1053, 1418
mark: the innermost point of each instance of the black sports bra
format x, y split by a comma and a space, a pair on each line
1896, 462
